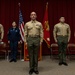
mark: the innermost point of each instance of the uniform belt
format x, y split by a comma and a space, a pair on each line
33, 35
62, 35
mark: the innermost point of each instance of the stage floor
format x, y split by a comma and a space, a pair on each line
46, 67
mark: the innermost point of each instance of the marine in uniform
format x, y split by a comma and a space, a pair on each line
62, 34
1, 32
33, 39
13, 40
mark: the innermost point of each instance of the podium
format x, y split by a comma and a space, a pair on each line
26, 56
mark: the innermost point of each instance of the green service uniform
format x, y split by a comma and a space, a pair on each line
62, 34
33, 38
1, 31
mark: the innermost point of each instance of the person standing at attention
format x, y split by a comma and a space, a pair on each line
33, 40
62, 34
1, 32
14, 40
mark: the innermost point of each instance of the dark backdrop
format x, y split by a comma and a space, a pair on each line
9, 12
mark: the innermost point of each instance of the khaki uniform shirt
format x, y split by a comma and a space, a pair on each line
33, 28
61, 29
1, 31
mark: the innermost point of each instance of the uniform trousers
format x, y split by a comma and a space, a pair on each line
13, 47
33, 44
62, 45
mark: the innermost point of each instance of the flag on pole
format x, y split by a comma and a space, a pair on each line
21, 25
46, 27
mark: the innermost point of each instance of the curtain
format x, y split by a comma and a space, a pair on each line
9, 12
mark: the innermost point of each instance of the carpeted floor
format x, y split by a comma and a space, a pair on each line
46, 67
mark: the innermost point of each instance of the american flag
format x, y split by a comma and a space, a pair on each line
21, 25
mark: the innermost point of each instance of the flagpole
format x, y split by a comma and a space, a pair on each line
47, 3
19, 4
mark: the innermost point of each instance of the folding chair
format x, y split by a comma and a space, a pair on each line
54, 49
71, 49
3, 48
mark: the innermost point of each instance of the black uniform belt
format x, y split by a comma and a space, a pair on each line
33, 35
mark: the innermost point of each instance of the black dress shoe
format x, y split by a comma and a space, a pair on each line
31, 71
11, 60
65, 63
60, 63
36, 71
15, 60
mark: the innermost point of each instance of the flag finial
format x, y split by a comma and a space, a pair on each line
47, 3
19, 4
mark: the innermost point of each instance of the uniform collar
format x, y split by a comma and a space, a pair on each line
13, 28
62, 23
33, 21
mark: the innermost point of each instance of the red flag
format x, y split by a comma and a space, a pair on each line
46, 27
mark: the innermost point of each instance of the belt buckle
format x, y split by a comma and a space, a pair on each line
33, 36
63, 35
